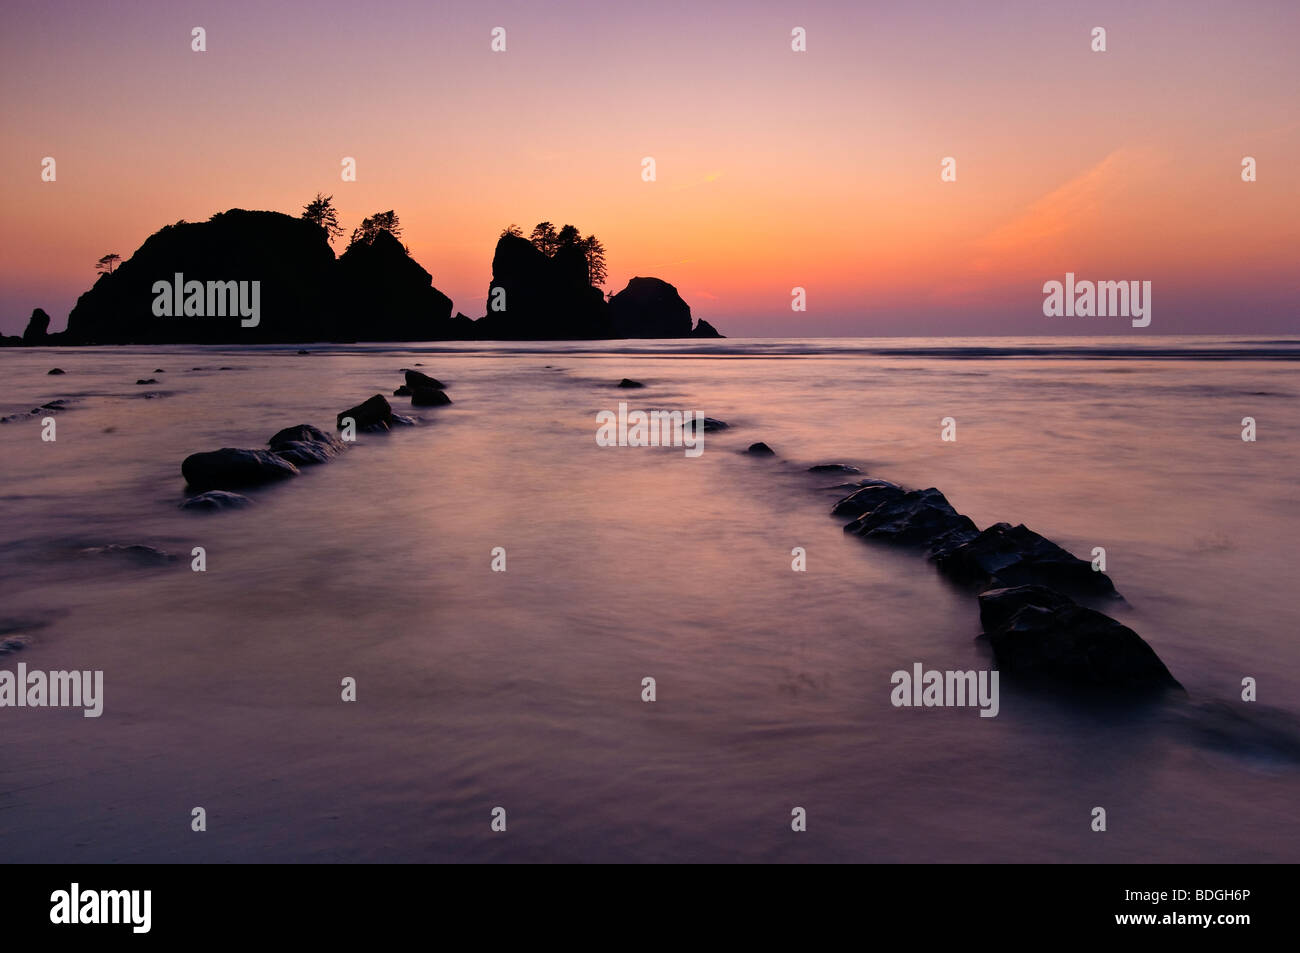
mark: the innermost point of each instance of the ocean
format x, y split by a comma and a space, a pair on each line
477, 689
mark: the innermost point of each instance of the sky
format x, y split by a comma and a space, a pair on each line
775, 169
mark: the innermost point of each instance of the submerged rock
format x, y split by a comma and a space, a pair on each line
402, 391
305, 445
914, 518
871, 493
306, 433
1005, 555
228, 467
1036, 632
415, 379
146, 381
628, 382
371, 415
56, 370
833, 468
144, 555
214, 500
761, 449
710, 424
428, 397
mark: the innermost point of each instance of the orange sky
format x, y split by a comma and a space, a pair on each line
775, 169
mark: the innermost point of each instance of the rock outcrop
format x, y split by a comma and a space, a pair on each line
535, 296
649, 308
38, 328
230, 468
1038, 633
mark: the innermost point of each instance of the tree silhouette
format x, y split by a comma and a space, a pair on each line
545, 239
595, 253
321, 211
568, 236
108, 263
512, 230
370, 228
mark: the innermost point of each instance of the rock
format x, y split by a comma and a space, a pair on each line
1005, 555
144, 381
710, 425
625, 382
1037, 633
705, 330
305, 445
399, 420
214, 500
833, 468
380, 280
143, 555
371, 415
428, 397
541, 296
302, 351
415, 379
761, 449
402, 391
649, 308
228, 467
916, 518
56, 370
38, 327
871, 493
159, 370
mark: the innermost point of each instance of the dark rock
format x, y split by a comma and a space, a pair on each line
305, 445
833, 468
428, 397
916, 518
400, 421
871, 493
1037, 633
626, 382
228, 467
415, 379
710, 425
402, 391
649, 308
761, 449
371, 415
545, 297
142, 555
38, 327
159, 370
380, 280
1005, 555
301, 351
705, 330
214, 500
56, 370
149, 381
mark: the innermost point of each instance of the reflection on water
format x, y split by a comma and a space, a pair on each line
522, 689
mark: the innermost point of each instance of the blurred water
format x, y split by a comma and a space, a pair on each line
522, 689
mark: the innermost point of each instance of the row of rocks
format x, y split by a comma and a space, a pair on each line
217, 475
424, 391
1027, 585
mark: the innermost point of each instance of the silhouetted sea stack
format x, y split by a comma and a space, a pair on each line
38, 327
649, 308
535, 296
